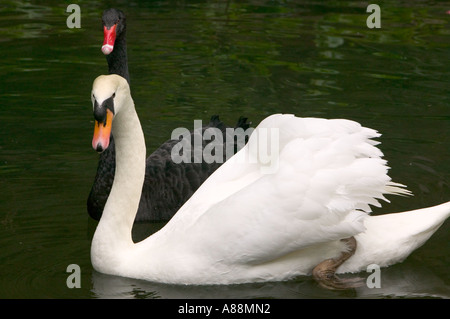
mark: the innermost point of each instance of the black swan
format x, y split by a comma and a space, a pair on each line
167, 185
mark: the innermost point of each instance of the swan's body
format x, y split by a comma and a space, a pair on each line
167, 186
250, 224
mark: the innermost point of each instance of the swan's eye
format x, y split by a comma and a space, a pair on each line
114, 95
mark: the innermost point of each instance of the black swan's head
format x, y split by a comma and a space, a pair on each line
114, 25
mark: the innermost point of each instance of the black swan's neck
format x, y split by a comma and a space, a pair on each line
117, 59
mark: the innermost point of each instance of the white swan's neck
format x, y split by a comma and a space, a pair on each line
112, 239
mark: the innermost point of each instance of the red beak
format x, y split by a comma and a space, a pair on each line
109, 39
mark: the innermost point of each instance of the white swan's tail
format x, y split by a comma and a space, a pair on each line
390, 238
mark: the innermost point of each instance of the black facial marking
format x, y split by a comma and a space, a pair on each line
100, 110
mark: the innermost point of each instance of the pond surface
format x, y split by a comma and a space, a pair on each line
191, 60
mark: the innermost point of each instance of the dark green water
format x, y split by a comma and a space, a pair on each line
190, 60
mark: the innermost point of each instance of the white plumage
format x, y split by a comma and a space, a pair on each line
258, 220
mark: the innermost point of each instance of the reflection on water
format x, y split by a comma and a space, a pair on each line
192, 60
396, 281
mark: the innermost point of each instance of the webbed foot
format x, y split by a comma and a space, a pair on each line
325, 272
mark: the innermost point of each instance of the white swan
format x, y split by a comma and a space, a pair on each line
245, 224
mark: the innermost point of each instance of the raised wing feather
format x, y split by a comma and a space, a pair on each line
327, 174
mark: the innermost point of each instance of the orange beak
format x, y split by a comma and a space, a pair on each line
102, 133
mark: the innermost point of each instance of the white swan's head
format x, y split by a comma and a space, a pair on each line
108, 96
